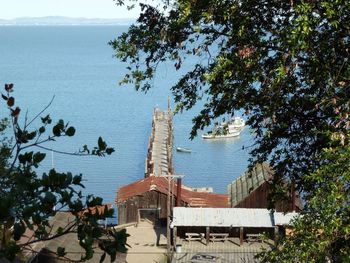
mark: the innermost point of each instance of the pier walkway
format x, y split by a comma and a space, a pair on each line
160, 145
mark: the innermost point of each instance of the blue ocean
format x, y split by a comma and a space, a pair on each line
75, 65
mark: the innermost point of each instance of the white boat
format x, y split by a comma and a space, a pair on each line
220, 136
183, 149
236, 123
222, 131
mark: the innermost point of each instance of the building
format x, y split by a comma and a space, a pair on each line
45, 251
147, 199
251, 190
224, 234
255, 220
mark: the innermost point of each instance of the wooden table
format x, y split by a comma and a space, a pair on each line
254, 237
218, 237
194, 236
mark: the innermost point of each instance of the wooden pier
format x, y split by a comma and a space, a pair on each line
159, 160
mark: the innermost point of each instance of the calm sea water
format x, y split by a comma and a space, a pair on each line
75, 65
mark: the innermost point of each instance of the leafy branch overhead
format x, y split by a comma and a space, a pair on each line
284, 65
29, 201
26, 138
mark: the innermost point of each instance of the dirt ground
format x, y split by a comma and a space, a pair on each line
148, 244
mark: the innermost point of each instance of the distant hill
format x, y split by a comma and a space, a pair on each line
64, 21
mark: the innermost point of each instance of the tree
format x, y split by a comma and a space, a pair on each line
285, 64
28, 200
323, 231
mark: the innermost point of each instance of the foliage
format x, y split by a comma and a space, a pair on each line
285, 64
323, 230
28, 200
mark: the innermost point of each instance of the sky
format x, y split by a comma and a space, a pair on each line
10, 9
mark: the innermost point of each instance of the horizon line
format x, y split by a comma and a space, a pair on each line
73, 17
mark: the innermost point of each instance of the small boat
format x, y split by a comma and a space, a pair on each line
184, 150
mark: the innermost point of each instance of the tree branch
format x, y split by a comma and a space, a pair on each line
65, 232
61, 152
36, 116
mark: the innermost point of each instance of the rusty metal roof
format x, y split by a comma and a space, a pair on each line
160, 184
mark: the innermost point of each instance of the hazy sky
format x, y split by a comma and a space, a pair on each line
74, 8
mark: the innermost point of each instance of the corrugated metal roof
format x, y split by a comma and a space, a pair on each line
248, 182
160, 184
227, 217
282, 219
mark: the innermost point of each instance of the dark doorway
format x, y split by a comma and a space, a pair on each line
149, 214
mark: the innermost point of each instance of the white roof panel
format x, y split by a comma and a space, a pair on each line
225, 217
228, 217
282, 219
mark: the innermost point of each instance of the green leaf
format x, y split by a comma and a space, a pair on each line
26, 157
22, 158
10, 101
59, 230
77, 179
61, 251
109, 151
42, 129
11, 250
113, 254
101, 144
46, 119
56, 130
18, 230
60, 123
94, 201
38, 157
50, 198
70, 131
86, 149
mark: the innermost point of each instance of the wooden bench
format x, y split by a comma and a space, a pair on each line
254, 238
218, 237
194, 236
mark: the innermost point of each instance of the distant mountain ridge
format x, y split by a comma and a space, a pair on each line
62, 20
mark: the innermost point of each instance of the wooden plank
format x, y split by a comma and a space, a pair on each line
207, 230
242, 191
276, 234
174, 236
250, 186
194, 236
239, 190
218, 237
255, 176
234, 194
245, 191
241, 236
254, 237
